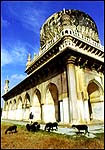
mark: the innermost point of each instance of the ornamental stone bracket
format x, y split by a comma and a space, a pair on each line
71, 60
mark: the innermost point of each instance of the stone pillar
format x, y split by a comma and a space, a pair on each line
78, 83
72, 96
82, 95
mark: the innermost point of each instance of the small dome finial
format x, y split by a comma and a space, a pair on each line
64, 10
29, 57
28, 60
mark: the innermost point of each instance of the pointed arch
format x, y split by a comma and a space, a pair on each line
52, 88
10, 105
36, 97
26, 107
27, 100
14, 104
95, 92
36, 104
94, 85
19, 102
51, 113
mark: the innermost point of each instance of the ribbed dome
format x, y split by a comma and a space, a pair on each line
74, 19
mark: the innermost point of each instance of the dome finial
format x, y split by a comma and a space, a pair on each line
28, 60
64, 10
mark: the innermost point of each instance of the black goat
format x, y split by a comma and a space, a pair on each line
11, 128
55, 124
81, 127
33, 127
37, 125
49, 126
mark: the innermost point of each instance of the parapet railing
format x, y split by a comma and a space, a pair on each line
67, 31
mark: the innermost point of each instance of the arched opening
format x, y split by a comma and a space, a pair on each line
36, 105
66, 31
26, 107
19, 104
27, 101
95, 105
10, 105
14, 104
52, 102
18, 115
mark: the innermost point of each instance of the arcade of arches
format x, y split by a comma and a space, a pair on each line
49, 102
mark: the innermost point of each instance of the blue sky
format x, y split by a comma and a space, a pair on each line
20, 31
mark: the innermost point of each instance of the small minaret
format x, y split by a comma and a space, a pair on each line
6, 87
28, 60
64, 10
35, 55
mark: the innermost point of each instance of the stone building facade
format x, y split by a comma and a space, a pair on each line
65, 81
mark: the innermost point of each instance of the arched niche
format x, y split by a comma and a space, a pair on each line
19, 102
52, 101
93, 86
27, 100
51, 93
14, 104
36, 105
95, 91
10, 105
36, 98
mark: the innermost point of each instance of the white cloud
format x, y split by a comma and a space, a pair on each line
15, 79
4, 23
31, 18
15, 54
6, 57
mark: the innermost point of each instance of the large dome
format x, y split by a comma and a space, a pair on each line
74, 19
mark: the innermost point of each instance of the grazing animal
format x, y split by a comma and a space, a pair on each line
49, 126
55, 124
28, 126
11, 128
81, 127
33, 127
36, 125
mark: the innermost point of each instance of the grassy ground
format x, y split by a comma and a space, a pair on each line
46, 140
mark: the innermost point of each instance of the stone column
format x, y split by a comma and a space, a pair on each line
82, 95
72, 96
78, 83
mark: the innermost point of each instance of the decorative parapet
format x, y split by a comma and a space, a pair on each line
71, 39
